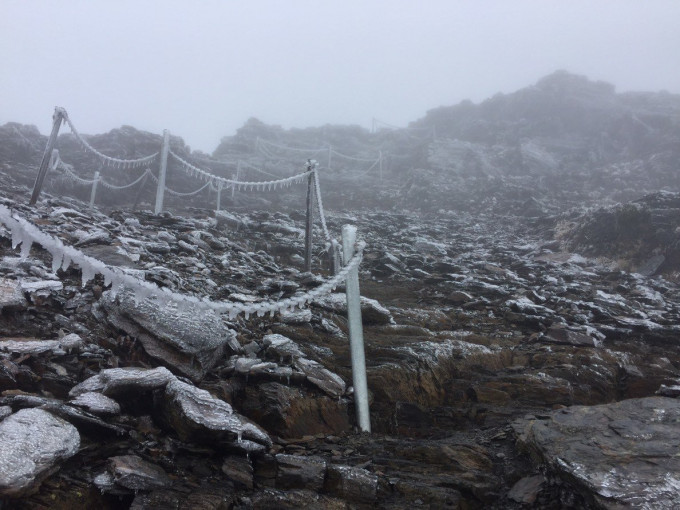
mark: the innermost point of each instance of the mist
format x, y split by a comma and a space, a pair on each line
202, 69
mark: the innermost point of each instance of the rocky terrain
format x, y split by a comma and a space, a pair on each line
520, 325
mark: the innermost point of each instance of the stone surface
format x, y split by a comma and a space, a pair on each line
197, 416
351, 484
134, 473
96, 403
617, 453
117, 381
188, 341
11, 295
32, 443
298, 472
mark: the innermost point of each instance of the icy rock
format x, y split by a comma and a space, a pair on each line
352, 484
50, 285
623, 454
189, 340
96, 403
5, 411
11, 295
526, 490
33, 346
229, 220
303, 316
32, 442
569, 336
197, 416
119, 381
327, 381
372, 312
282, 348
297, 472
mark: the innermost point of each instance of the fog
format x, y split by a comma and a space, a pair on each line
200, 69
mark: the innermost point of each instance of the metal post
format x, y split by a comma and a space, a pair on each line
380, 166
219, 195
160, 191
94, 189
57, 118
356, 332
310, 218
330, 150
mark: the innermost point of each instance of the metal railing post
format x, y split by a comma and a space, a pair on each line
219, 195
93, 193
57, 119
310, 216
160, 191
356, 332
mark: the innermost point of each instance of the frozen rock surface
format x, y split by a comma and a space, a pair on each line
116, 381
32, 443
618, 453
189, 341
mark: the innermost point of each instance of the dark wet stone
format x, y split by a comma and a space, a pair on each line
239, 470
352, 484
298, 472
134, 473
526, 490
618, 453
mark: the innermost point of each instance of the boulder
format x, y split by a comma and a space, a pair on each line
119, 381
32, 443
297, 472
190, 341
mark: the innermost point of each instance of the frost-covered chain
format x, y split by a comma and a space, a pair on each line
119, 163
68, 170
194, 171
136, 181
25, 234
178, 194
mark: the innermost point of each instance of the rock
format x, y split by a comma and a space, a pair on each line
569, 336
96, 403
526, 490
352, 484
303, 316
5, 411
672, 390
34, 346
11, 295
190, 341
120, 381
297, 472
372, 312
239, 470
281, 348
197, 416
286, 411
618, 453
32, 443
134, 473
328, 382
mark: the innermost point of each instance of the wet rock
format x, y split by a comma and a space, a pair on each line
190, 341
281, 348
121, 381
285, 411
672, 391
239, 470
617, 453
134, 473
5, 411
297, 472
294, 499
32, 443
526, 490
96, 403
352, 484
197, 416
570, 336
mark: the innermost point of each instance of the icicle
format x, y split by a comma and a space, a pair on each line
87, 272
66, 261
16, 236
107, 277
26, 247
57, 256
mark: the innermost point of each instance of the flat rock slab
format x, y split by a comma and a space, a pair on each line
623, 454
372, 312
191, 340
11, 294
32, 442
197, 416
119, 381
36, 346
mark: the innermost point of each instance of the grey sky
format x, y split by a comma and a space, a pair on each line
201, 68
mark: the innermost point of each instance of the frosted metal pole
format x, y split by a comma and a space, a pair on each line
356, 332
310, 218
93, 193
57, 118
380, 166
330, 149
160, 191
219, 195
